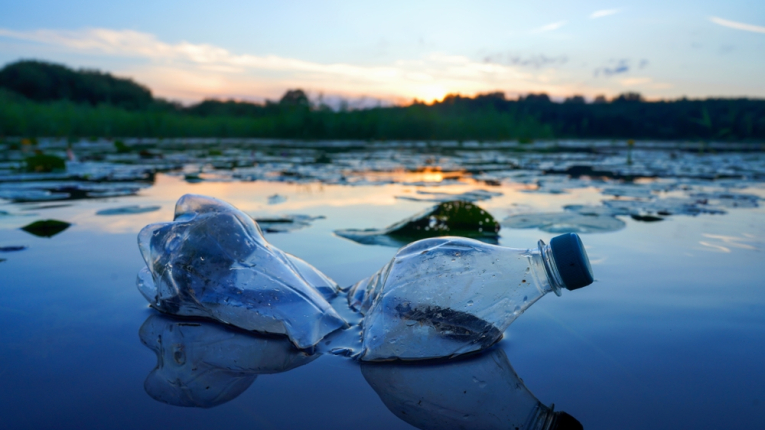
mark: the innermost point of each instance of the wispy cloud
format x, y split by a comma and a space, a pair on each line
737, 25
192, 71
550, 27
603, 12
534, 61
620, 66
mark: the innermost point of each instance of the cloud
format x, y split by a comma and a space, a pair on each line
533, 61
603, 12
550, 27
621, 66
193, 71
190, 71
737, 25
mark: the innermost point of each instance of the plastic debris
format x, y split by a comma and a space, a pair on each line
213, 261
204, 364
443, 297
454, 218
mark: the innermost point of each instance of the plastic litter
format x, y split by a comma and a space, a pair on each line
213, 261
448, 296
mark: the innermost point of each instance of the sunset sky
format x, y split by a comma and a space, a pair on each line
394, 51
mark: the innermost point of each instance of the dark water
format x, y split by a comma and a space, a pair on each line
669, 336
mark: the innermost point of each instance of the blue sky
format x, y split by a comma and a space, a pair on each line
395, 51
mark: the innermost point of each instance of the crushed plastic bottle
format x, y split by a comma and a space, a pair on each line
448, 296
213, 261
480, 392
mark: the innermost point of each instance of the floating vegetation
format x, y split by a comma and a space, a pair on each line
44, 163
46, 228
12, 248
276, 199
663, 207
565, 222
728, 199
454, 218
286, 223
38, 191
32, 195
128, 210
468, 196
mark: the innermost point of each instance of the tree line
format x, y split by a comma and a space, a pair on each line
44, 99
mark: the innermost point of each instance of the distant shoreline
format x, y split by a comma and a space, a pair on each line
44, 99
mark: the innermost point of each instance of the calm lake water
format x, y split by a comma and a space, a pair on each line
670, 335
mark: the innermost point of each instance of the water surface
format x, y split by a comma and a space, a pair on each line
669, 336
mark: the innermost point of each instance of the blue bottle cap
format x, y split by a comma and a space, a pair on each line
571, 261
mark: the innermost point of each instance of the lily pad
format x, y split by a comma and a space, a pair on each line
468, 196
728, 199
46, 228
565, 222
44, 163
287, 223
12, 248
454, 218
128, 210
665, 207
276, 199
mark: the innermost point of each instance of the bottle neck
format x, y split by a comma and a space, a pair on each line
545, 270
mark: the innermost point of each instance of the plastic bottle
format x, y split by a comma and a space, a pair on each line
213, 261
448, 296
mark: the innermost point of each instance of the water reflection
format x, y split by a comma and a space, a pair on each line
479, 392
204, 364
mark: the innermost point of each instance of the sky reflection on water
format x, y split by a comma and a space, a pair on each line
669, 335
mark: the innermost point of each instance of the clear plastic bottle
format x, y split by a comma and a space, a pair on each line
213, 261
448, 296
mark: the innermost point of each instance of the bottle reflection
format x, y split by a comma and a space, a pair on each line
479, 392
204, 364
